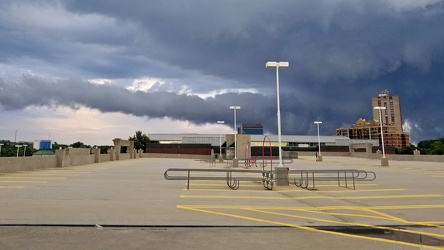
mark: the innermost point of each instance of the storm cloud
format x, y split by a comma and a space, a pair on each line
208, 55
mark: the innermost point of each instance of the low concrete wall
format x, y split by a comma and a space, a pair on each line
75, 160
105, 158
180, 156
313, 153
14, 164
61, 159
431, 158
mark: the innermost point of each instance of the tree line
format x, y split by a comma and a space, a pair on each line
9, 149
141, 140
426, 147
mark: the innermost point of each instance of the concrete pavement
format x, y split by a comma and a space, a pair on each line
134, 203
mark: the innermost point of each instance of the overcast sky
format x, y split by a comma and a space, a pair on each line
91, 71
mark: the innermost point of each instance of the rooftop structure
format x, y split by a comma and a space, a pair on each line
391, 123
392, 114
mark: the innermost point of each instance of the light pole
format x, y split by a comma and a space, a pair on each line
382, 133
18, 147
235, 129
24, 150
220, 138
1, 144
319, 158
278, 65
384, 161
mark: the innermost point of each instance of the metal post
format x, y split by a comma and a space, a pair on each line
235, 135
220, 138
279, 116
382, 133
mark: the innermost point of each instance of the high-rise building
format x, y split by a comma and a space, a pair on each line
392, 114
391, 123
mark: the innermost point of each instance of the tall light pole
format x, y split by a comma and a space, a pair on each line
382, 133
220, 138
1, 144
278, 65
319, 141
18, 147
235, 129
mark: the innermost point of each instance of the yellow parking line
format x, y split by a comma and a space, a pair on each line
308, 228
23, 181
344, 190
326, 208
54, 172
355, 224
48, 174
296, 191
23, 177
310, 197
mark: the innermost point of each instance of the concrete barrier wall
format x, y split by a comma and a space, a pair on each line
75, 160
313, 153
180, 156
14, 164
431, 158
105, 158
125, 156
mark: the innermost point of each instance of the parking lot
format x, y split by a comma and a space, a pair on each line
129, 203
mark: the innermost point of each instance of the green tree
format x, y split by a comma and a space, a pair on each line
9, 150
104, 148
406, 150
140, 140
432, 147
437, 148
55, 146
79, 145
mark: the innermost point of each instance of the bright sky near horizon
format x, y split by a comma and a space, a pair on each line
92, 71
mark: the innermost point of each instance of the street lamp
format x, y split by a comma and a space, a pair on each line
24, 150
278, 65
235, 129
220, 138
384, 161
382, 133
18, 147
1, 144
319, 141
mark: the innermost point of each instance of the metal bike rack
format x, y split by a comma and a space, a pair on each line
218, 174
307, 177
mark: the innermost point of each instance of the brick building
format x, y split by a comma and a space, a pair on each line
391, 123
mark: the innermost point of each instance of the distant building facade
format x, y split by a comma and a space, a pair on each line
391, 124
370, 130
392, 114
251, 129
42, 144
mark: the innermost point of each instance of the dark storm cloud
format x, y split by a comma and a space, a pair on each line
341, 53
31, 91
325, 40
